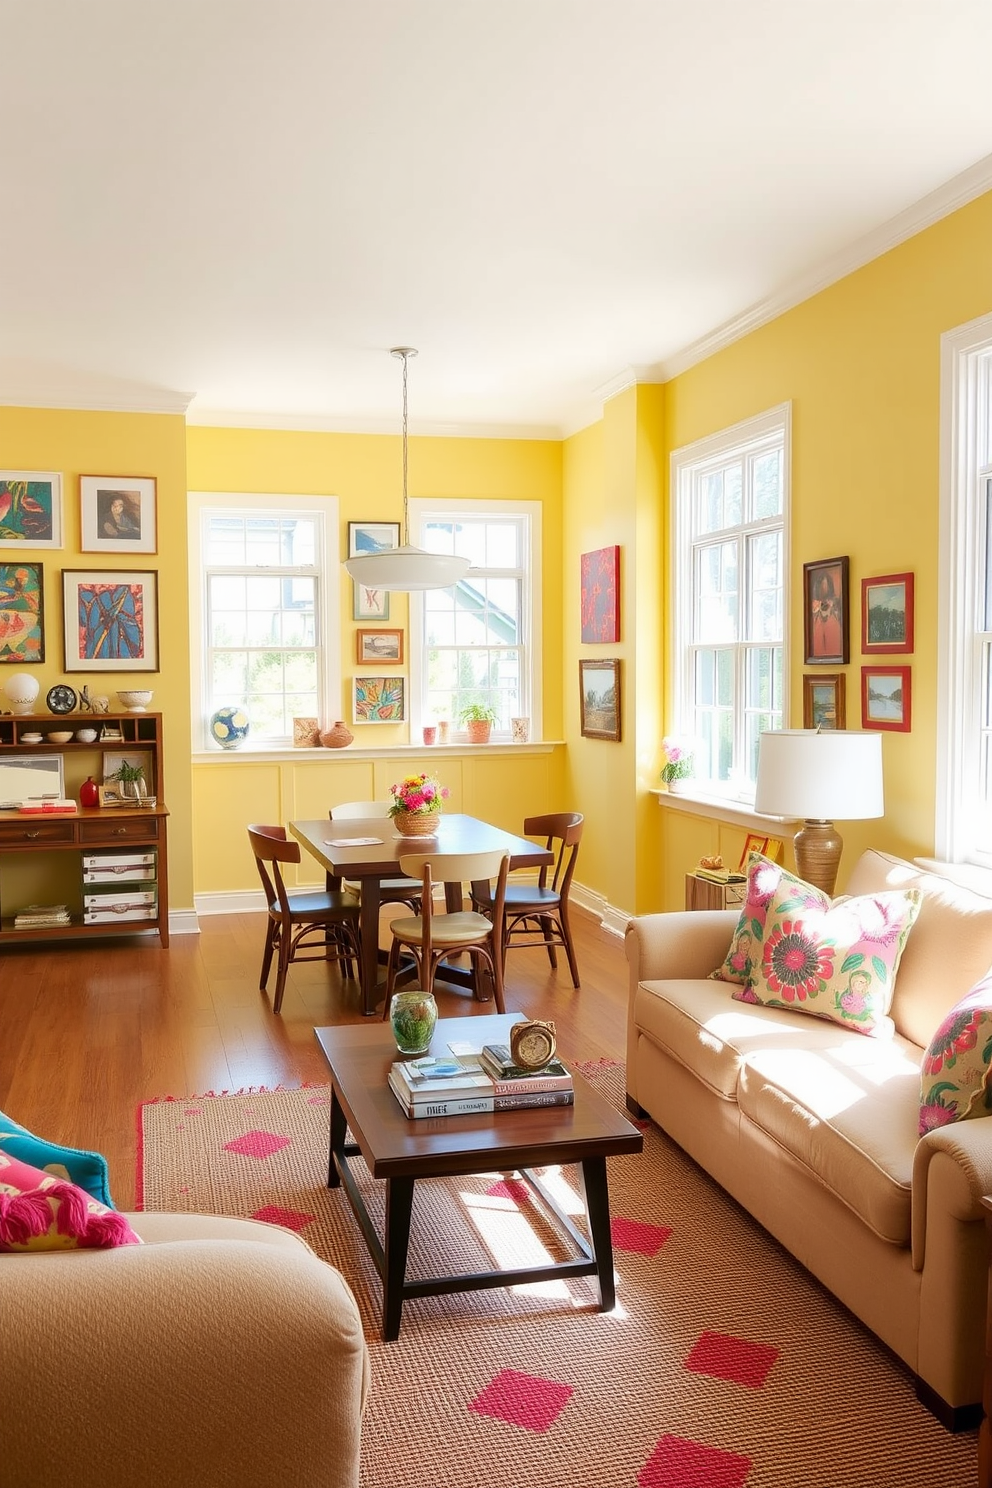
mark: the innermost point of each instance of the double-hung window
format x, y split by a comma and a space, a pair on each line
478, 642
730, 562
263, 589
963, 827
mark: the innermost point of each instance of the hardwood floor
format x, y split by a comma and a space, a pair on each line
89, 1031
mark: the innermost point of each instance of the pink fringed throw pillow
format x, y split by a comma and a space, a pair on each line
41, 1212
765, 880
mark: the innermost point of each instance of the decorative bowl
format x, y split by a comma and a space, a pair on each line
30, 738
135, 701
86, 736
63, 736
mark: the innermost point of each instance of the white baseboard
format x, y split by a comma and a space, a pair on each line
183, 922
610, 918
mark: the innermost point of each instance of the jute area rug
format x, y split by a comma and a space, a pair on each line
723, 1365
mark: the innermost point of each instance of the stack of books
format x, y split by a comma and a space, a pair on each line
38, 916
455, 1087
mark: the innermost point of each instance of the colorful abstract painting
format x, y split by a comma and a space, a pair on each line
110, 621
380, 699
601, 595
22, 629
30, 509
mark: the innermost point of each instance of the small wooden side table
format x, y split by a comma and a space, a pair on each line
703, 893
985, 1429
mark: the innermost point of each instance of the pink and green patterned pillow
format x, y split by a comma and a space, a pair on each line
955, 1070
765, 879
41, 1212
838, 963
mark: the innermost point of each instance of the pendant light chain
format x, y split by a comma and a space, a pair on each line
406, 508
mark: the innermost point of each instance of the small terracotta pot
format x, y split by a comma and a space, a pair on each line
336, 737
479, 730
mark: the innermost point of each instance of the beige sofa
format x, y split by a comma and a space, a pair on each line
813, 1129
221, 1352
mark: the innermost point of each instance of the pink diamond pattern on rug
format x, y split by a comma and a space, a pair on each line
677, 1463
509, 1188
290, 1219
633, 1234
733, 1359
258, 1144
522, 1400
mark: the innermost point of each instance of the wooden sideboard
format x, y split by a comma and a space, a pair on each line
118, 832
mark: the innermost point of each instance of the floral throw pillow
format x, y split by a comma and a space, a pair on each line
838, 963
955, 1070
42, 1212
765, 880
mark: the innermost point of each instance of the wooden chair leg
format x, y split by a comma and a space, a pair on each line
285, 947
270, 932
495, 961
566, 935
547, 925
391, 964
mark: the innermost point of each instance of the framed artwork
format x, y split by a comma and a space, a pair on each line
372, 537
369, 604
886, 698
30, 508
826, 622
824, 702
380, 647
111, 620
24, 777
600, 595
380, 699
752, 843
599, 699
22, 612
118, 514
887, 615
136, 758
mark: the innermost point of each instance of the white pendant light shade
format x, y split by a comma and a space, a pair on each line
406, 567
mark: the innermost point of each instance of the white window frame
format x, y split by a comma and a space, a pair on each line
740, 439
421, 510
324, 512
965, 434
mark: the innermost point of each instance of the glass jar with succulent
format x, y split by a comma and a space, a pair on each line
131, 780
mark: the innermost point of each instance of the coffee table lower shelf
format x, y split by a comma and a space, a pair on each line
595, 1256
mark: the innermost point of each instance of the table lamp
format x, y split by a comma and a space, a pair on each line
818, 776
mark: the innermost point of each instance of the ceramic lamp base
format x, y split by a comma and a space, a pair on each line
818, 846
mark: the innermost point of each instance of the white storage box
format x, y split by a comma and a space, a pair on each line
120, 874
111, 899
120, 914
111, 867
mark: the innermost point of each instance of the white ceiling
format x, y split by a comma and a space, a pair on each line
247, 202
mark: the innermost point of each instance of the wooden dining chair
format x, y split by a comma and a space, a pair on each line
299, 922
391, 890
430, 936
537, 914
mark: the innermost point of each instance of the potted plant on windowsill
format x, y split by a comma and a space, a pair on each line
678, 768
478, 719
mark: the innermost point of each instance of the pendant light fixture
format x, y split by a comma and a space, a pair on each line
406, 567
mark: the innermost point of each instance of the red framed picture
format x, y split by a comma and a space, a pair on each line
601, 595
886, 698
887, 615
826, 629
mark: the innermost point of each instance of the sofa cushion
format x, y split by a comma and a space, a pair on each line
88, 1170
765, 879
39, 1212
839, 962
955, 1070
949, 950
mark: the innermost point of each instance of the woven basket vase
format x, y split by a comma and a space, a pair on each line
413, 824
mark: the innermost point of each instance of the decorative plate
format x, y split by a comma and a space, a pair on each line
61, 699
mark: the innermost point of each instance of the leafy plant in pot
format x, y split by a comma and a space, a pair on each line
478, 719
131, 779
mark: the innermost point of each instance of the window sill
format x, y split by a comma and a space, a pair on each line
246, 754
718, 808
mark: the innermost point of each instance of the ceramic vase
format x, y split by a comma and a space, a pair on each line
417, 824
413, 1017
479, 730
679, 787
336, 737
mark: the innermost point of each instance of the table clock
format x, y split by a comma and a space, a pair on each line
532, 1044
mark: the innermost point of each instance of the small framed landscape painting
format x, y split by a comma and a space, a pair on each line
824, 701
377, 647
826, 625
886, 698
599, 699
110, 619
372, 537
30, 509
380, 699
887, 615
22, 612
118, 514
600, 595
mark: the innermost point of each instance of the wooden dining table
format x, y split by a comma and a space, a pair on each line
368, 849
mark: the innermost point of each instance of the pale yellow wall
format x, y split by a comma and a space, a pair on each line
364, 473
82, 443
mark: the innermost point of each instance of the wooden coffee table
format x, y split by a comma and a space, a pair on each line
400, 1151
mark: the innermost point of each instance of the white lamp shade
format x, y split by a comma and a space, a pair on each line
407, 567
834, 775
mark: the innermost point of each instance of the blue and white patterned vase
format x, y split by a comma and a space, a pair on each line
229, 727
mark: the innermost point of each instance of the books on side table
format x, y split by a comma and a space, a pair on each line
463, 1086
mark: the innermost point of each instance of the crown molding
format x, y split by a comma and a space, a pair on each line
141, 400
318, 424
942, 202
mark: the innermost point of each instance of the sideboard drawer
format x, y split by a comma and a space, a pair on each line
124, 829
28, 831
